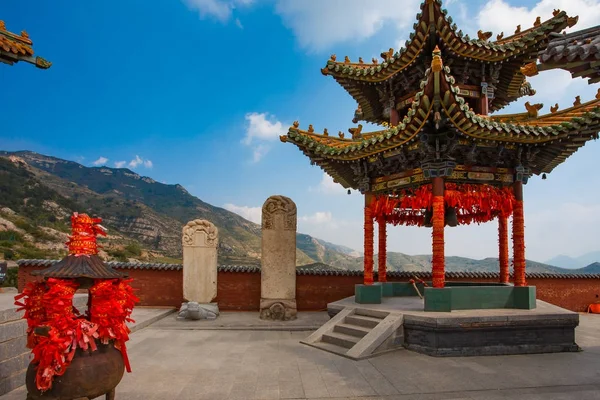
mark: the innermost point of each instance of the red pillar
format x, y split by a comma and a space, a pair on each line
503, 248
382, 259
368, 246
438, 260
519, 236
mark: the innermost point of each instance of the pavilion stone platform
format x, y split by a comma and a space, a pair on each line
359, 331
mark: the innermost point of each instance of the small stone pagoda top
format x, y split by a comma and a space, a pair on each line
393, 81
15, 48
83, 260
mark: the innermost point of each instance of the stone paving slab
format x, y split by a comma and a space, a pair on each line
306, 321
237, 364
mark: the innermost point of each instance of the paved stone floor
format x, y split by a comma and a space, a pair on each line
225, 364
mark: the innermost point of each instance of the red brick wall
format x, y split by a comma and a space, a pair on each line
240, 291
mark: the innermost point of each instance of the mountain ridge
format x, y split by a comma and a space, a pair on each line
146, 218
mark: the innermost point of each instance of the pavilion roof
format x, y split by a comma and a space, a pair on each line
435, 28
558, 134
15, 48
578, 52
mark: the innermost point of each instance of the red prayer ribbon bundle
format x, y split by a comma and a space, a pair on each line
50, 304
85, 229
112, 304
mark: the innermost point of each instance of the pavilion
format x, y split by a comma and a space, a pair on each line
15, 48
442, 157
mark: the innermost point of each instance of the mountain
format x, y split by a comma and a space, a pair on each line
421, 263
575, 262
38, 194
593, 268
145, 217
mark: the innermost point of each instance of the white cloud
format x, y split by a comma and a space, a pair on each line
100, 161
499, 16
120, 164
320, 217
328, 186
238, 23
218, 9
259, 152
253, 214
135, 162
320, 24
261, 127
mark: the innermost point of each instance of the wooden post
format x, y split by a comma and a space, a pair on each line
394, 117
518, 229
368, 244
503, 248
438, 259
382, 253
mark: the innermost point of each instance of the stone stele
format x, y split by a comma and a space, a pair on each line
278, 259
200, 241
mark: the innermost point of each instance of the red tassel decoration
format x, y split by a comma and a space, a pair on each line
368, 260
503, 248
438, 260
382, 259
519, 244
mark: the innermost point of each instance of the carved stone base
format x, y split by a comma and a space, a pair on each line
194, 311
278, 309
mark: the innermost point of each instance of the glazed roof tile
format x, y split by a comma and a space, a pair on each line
573, 126
14, 48
577, 52
525, 42
325, 271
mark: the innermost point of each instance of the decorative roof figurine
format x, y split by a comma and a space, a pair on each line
15, 48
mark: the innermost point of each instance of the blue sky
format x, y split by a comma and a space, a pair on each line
197, 92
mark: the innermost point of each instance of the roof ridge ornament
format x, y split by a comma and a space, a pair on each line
436, 62
485, 36
529, 69
571, 21
533, 109
554, 108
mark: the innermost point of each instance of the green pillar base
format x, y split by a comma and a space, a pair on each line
524, 297
438, 299
368, 294
387, 288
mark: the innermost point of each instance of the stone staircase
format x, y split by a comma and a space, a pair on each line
359, 333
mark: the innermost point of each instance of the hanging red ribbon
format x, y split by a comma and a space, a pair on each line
473, 203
